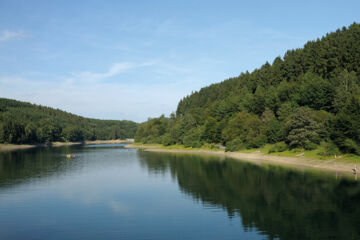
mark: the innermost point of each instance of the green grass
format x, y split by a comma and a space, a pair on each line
313, 154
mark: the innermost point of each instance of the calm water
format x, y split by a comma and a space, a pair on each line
108, 192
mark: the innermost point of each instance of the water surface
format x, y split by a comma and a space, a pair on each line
109, 192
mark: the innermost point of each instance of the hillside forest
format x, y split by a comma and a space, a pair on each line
22, 122
309, 97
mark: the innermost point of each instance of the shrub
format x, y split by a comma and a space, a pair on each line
167, 140
309, 145
328, 149
192, 138
256, 142
234, 145
278, 147
350, 146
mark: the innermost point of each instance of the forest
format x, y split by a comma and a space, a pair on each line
308, 98
22, 122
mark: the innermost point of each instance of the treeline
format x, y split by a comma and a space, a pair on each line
22, 122
308, 97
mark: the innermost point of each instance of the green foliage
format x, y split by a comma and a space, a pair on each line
347, 85
193, 138
308, 145
248, 127
302, 130
307, 96
274, 131
351, 146
73, 134
316, 92
153, 130
345, 128
167, 140
212, 132
329, 149
234, 145
22, 122
278, 147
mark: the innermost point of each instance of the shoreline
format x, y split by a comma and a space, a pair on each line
14, 147
333, 165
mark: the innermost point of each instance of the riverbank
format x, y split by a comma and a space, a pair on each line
257, 157
14, 147
117, 141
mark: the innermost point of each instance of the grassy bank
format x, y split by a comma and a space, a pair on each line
294, 158
317, 154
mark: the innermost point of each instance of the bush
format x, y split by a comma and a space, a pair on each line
350, 146
329, 149
278, 147
256, 142
309, 145
234, 145
167, 140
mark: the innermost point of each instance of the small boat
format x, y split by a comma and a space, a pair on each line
70, 156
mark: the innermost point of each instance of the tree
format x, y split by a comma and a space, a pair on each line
301, 129
211, 132
245, 126
73, 134
316, 92
345, 129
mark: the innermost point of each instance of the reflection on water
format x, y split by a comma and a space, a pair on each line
274, 200
108, 192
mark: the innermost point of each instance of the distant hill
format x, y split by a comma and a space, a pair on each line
308, 97
22, 122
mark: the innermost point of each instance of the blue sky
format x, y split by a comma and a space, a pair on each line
137, 59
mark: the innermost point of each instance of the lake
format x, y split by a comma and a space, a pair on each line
110, 192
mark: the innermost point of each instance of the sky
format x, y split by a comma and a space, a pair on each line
137, 59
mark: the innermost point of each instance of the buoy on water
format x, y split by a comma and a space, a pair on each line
70, 155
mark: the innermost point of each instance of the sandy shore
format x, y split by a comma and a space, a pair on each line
13, 147
261, 158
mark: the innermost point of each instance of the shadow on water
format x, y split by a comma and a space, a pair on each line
278, 202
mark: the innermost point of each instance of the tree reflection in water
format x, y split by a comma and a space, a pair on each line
281, 203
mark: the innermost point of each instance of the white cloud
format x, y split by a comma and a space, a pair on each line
10, 35
115, 69
98, 100
88, 94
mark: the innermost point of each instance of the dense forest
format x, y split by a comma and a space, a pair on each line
22, 122
308, 98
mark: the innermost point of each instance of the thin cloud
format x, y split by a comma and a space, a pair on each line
114, 70
11, 35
